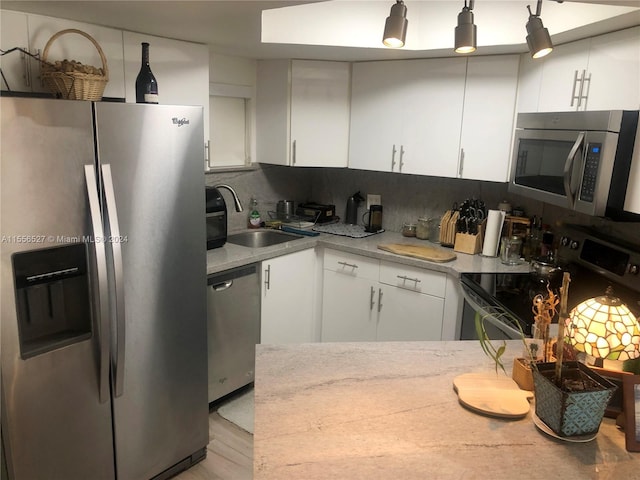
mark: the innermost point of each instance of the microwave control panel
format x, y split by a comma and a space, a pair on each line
590, 176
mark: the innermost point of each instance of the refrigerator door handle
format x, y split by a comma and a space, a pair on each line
115, 240
102, 311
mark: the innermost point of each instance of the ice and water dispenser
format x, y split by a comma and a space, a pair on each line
52, 297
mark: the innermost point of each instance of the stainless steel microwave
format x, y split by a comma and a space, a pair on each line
576, 160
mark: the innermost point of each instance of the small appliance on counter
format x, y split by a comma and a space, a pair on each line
351, 214
216, 214
318, 212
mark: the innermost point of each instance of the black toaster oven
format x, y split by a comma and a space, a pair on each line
216, 215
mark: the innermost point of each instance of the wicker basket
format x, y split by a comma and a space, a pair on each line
74, 85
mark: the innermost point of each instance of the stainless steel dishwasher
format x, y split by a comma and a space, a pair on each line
233, 328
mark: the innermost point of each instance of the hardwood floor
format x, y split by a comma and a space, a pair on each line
229, 453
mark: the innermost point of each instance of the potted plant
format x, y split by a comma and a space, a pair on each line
570, 399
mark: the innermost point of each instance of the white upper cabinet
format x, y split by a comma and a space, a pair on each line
302, 113
614, 65
487, 121
406, 116
70, 46
599, 73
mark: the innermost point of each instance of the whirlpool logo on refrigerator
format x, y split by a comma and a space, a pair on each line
180, 121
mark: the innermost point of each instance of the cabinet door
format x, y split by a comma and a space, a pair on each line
557, 87
14, 33
273, 112
406, 315
614, 66
319, 113
288, 298
72, 46
529, 81
181, 69
376, 116
432, 93
487, 121
349, 308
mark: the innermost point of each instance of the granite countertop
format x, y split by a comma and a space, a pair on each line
387, 410
230, 255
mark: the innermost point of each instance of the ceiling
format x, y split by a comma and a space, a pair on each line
234, 27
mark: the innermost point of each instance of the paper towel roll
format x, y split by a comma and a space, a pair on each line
495, 219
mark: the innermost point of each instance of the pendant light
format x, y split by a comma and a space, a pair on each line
538, 38
395, 28
466, 31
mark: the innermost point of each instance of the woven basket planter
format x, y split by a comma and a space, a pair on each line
75, 85
571, 413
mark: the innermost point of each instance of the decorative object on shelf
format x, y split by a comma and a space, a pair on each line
72, 80
395, 27
538, 38
466, 31
631, 387
146, 83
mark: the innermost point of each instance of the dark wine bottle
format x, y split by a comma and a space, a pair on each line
146, 84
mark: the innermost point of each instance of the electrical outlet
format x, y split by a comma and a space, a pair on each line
373, 200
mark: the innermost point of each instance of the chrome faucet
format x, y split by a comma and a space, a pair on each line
236, 200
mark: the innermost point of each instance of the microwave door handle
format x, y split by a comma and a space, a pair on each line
568, 167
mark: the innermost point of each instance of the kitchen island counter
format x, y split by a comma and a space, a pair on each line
388, 410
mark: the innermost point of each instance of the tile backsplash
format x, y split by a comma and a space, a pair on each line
405, 198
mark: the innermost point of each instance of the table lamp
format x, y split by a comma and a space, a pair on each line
605, 328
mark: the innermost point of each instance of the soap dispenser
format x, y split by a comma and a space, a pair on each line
351, 216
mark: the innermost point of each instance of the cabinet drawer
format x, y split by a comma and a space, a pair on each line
412, 278
350, 264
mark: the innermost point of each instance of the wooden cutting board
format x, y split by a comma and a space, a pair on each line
423, 252
491, 394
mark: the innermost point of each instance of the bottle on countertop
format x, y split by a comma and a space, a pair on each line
146, 84
254, 220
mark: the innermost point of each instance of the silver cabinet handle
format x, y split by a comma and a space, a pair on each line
371, 302
584, 97
407, 279
393, 157
461, 167
345, 264
116, 248
379, 300
267, 277
574, 97
401, 157
102, 309
207, 155
293, 154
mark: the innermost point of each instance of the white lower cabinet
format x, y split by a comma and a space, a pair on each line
365, 299
288, 298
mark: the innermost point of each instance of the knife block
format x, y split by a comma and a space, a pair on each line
468, 243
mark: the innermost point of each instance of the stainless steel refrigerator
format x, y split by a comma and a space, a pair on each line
104, 353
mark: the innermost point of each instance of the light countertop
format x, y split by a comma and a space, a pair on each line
387, 410
230, 255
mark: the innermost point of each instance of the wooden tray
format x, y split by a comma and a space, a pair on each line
492, 394
423, 252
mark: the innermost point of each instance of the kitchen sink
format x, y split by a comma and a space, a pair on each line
261, 238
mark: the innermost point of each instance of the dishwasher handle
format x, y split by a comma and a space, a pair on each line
222, 286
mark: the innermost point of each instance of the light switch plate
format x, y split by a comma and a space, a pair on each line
373, 200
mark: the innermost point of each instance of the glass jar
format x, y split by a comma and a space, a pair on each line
510, 250
423, 228
409, 230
